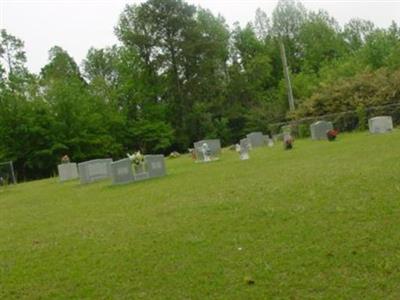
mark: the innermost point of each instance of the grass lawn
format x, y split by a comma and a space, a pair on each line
319, 222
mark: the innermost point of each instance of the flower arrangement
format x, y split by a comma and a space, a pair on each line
137, 158
288, 142
332, 134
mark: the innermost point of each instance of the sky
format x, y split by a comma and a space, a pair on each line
77, 25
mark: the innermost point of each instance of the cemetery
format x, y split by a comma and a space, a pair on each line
266, 141
297, 208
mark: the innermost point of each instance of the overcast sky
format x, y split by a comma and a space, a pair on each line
76, 25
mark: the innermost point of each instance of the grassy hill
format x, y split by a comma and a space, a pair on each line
319, 222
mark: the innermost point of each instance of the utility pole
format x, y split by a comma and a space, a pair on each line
287, 76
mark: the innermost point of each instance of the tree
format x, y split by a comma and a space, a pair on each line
356, 32
321, 41
287, 19
183, 51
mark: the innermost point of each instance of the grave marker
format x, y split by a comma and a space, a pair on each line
319, 130
94, 170
380, 124
68, 171
256, 139
155, 165
121, 171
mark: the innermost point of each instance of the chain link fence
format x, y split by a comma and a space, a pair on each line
344, 121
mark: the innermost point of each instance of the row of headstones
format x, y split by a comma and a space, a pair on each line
209, 150
121, 171
253, 140
380, 124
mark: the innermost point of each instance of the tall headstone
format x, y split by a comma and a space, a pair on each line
68, 171
319, 130
380, 124
155, 165
121, 171
95, 170
256, 139
244, 150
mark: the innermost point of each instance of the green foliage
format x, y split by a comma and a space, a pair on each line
362, 118
303, 130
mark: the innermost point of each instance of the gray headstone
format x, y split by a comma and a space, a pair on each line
140, 172
214, 146
68, 171
94, 170
380, 124
319, 130
121, 171
256, 139
244, 151
155, 165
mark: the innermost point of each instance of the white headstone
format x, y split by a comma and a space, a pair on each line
380, 124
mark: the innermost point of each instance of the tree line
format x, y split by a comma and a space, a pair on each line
180, 74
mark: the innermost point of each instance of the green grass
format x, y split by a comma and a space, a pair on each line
319, 222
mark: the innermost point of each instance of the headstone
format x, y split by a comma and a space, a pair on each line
380, 124
68, 171
244, 151
155, 165
319, 130
140, 172
94, 170
214, 149
244, 143
121, 171
256, 139
214, 144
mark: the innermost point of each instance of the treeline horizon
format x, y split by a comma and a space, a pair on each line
181, 74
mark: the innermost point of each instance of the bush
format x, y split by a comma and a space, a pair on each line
362, 118
304, 130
